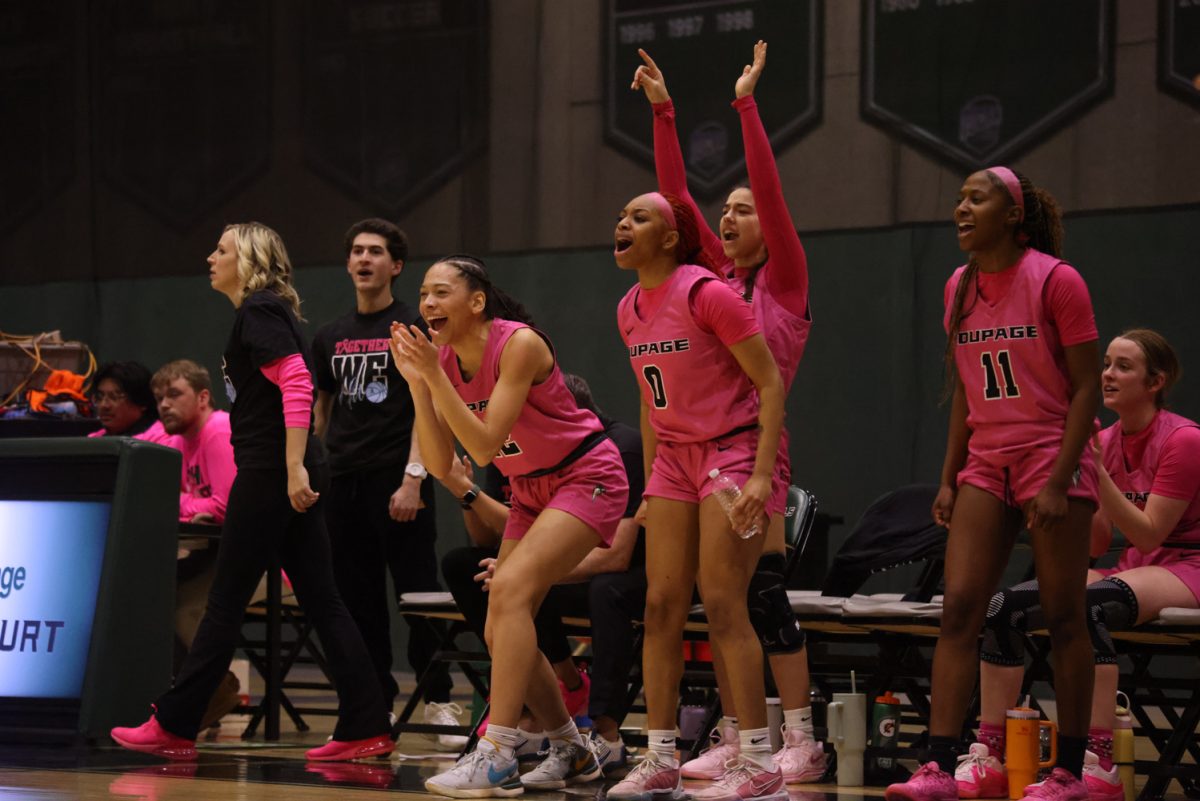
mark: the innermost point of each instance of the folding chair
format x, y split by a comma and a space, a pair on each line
799, 516
438, 612
287, 642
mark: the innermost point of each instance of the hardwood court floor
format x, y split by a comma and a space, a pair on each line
230, 769
227, 772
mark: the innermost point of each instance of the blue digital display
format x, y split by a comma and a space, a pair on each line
51, 557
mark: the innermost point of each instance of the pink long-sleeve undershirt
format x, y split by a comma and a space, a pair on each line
785, 273
786, 270
291, 375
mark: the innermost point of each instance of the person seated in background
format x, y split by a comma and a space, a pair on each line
612, 576
190, 424
183, 397
124, 403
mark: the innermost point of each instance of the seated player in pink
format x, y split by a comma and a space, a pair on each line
1020, 354
760, 254
485, 378
1149, 468
711, 400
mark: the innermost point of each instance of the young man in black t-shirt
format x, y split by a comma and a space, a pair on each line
380, 512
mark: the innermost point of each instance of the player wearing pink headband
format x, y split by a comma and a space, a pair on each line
761, 256
712, 400
1021, 352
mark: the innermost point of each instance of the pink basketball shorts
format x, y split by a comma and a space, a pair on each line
593, 488
1023, 479
680, 470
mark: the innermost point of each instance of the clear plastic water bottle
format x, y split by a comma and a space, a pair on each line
727, 492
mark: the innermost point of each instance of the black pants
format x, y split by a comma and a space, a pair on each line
621, 599
616, 600
260, 521
368, 544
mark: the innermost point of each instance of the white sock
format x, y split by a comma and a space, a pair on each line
799, 720
567, 733
662, 743
727, 723
501, 739
756, 745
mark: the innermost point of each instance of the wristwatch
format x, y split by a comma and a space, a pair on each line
416, 470
469, 497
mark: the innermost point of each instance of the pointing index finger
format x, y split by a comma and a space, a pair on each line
649, 61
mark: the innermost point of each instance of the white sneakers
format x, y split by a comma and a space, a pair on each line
444, 715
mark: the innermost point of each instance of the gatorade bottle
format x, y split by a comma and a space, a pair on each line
1123, 746
885, 725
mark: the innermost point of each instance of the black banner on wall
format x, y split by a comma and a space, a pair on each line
701, 48
394, 94
1179, 48
182, 101
37, 93
976, 82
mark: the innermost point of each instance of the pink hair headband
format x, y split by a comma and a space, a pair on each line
664, 208
1012, 183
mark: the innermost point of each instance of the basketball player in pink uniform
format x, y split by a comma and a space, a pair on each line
1021, 353
1149, 470
761, 256
487, 379
712, 400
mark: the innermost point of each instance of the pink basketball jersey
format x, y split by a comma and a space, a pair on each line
1136, 481
694, 388
1012, 365
786, 334
550, 425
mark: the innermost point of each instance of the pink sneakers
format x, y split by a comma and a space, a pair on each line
151, 738
981, 775
744, 780
1060, 785
653, 779
711, 762
577, 699
346, 750
801, 759
1102, 785
929, 783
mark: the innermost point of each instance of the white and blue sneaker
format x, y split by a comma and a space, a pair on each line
483, 773
608, 757
565, 763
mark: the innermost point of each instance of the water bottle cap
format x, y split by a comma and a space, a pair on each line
887, 698
714, 473
1023, 713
